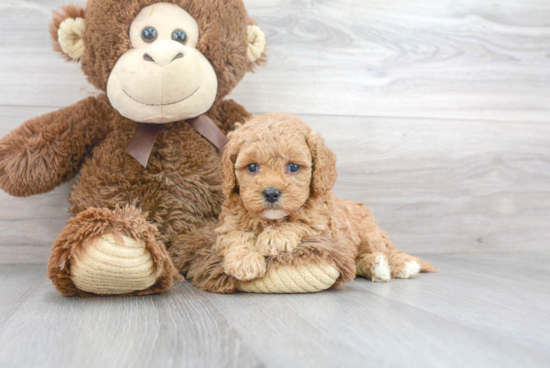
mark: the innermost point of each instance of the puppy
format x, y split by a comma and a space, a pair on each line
277, 179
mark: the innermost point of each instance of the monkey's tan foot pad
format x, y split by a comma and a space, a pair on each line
308, 278
110, 266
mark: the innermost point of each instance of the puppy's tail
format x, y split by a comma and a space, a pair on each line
426, 266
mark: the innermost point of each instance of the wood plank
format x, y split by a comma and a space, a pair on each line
505, 293
17, 284
29, 225
435, 188
361, 328
37, 75
453, 187
172, 329
469, 60
481, 310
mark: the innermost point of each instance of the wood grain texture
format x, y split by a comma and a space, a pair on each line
438, 112
465, 59
48, 330
481, 310
462, 186
461, 59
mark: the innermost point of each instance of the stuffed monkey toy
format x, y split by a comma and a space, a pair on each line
146, 147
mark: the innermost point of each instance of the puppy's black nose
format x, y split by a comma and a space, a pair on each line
272, 195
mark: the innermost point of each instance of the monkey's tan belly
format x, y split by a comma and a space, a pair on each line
106, 267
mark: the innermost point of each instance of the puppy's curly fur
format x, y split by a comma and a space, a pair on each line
281, 153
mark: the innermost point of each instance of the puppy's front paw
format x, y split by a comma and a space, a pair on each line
272, 242
380, 269
249, 267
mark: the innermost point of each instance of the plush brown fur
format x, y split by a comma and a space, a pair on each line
178, 194
252, 229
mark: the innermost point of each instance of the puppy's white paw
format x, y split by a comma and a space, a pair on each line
410, 269
380, 270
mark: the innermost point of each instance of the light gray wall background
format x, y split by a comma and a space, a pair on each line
438, 111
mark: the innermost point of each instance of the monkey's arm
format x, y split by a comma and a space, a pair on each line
48, 150
229, 112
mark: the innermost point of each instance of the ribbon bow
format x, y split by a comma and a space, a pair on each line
146, 135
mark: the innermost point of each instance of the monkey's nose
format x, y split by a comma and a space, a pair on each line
272, 195
148, 57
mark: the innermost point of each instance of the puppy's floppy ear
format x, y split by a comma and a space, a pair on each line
66, 29
229, 181
324, 165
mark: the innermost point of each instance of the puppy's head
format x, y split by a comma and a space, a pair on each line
274, 163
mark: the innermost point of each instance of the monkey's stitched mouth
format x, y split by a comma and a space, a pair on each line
168, 104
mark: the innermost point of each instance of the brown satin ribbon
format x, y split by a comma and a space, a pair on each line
144, 140
146, 135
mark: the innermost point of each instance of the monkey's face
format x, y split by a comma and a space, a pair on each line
163, 78
161, 61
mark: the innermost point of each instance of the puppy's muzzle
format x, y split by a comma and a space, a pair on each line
272, 195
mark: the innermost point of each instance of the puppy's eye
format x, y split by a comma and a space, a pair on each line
252, 168
293, 168
149, 34
179, 36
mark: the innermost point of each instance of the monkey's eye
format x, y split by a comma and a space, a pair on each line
293, 168
149, 34
252, 168
179, 36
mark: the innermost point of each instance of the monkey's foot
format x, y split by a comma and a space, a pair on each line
113, 266
104, 252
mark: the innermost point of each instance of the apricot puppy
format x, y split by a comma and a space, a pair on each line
277, 179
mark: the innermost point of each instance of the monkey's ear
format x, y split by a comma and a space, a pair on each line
256, 47
324, 165
66, 29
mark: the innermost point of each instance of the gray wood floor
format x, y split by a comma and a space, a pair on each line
481, 310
